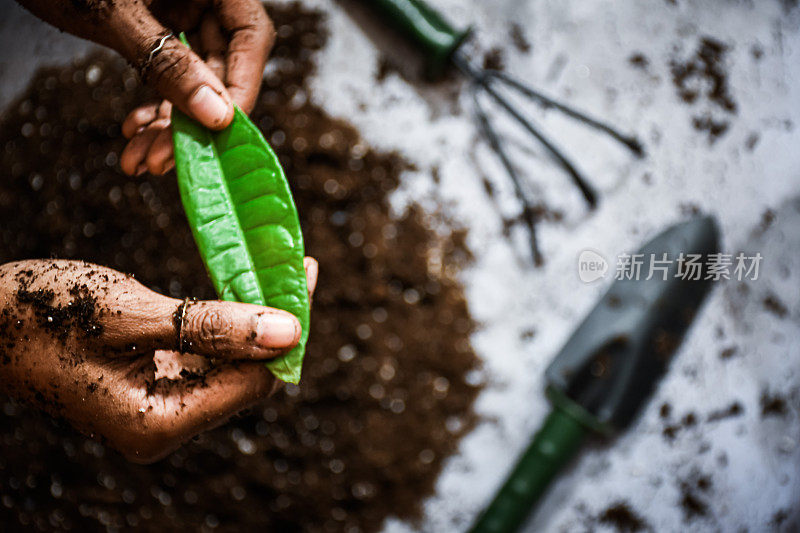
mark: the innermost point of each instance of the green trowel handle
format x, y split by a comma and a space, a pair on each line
556, 442
428, 30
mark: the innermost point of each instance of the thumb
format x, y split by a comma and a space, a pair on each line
233, 330
184, 79
174, 70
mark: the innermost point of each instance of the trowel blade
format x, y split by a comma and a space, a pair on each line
614, 359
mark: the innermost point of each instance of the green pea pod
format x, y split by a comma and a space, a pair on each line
244, 221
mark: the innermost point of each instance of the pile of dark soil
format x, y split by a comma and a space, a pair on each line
384, 397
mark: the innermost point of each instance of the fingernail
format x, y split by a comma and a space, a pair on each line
209, 107
277, 330
312, 271
141, 169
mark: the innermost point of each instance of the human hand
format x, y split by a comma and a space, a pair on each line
95, 347
231, 40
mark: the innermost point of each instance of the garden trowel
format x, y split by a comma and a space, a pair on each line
612, 362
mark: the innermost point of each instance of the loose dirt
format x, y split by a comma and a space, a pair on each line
385, 394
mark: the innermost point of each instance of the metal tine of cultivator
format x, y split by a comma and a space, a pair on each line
528, 215
482, 79
628, 140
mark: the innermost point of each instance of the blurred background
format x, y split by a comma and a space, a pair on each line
432, 327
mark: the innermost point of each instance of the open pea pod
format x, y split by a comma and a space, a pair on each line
244, 221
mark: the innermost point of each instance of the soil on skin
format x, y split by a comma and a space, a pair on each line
385, 394
79, 313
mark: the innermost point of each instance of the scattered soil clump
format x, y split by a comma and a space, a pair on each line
773, 405
639, 60
774, 305
693, 496
518, 38
621, 517
494, 59
733, 410
703, 74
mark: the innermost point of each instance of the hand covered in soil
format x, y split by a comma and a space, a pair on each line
120, 362
231, 40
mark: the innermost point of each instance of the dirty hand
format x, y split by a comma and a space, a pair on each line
97, 348
231, 40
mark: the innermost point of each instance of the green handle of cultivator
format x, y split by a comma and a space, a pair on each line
425, 28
